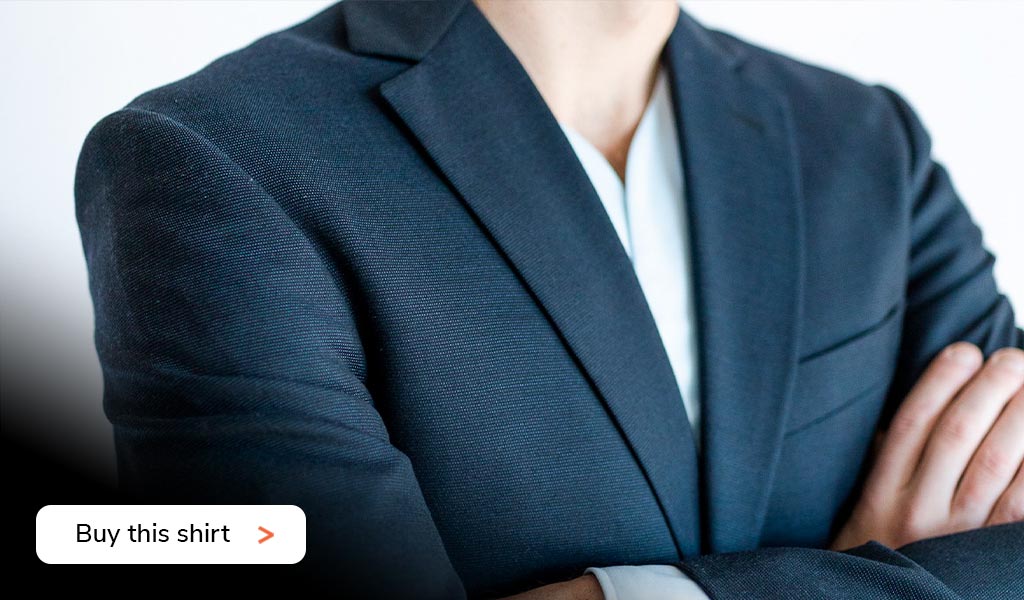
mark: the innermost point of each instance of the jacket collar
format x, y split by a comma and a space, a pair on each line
473, 109
744, 202
404, 30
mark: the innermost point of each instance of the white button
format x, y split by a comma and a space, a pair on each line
171, 534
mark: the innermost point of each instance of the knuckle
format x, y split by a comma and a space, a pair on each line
955, 429
903, 424
974, 501
1012, 509
973, 497
995, 463
1016, 511
914, 525
905, 534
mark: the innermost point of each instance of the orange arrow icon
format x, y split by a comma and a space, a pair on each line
269, 535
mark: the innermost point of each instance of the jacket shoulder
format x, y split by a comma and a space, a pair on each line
279, 76
819, 96
835, 116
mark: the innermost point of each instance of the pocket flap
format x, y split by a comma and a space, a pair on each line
827, 379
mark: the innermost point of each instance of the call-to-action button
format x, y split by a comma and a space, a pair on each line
171, 534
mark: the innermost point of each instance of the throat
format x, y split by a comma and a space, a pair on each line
594, 63
611, 131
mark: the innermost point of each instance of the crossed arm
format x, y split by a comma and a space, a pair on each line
951, 461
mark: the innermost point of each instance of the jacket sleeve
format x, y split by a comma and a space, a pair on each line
951, 292
983, 563
232, 366
951, 295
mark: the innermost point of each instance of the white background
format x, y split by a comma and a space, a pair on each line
64, 65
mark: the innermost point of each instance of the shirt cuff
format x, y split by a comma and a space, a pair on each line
646, 582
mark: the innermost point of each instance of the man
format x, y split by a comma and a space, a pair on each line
502, 292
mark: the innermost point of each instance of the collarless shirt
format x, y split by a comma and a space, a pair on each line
648, 211
647, 208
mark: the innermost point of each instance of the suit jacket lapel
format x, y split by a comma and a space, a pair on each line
476, 113
746, 235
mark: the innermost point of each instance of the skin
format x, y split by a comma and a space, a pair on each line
581, 588
594, 62
951, 460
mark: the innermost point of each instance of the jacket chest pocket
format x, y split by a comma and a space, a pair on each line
859, 369
838, 397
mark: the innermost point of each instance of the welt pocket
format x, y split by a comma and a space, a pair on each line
831, 379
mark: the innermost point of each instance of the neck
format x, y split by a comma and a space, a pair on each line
593, 62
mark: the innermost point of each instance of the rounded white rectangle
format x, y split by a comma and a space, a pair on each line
171, 534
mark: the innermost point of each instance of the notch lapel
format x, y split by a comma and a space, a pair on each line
744, 208
478, 116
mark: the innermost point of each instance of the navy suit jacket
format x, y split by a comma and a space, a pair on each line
357, 267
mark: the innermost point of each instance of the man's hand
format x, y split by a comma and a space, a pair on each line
951, 459
581, 588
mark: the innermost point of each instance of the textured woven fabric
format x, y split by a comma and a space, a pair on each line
356, 267
982, 564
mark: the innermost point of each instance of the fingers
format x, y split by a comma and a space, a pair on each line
965, 423
952, 457
1010, 507
993, 466
913, 422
